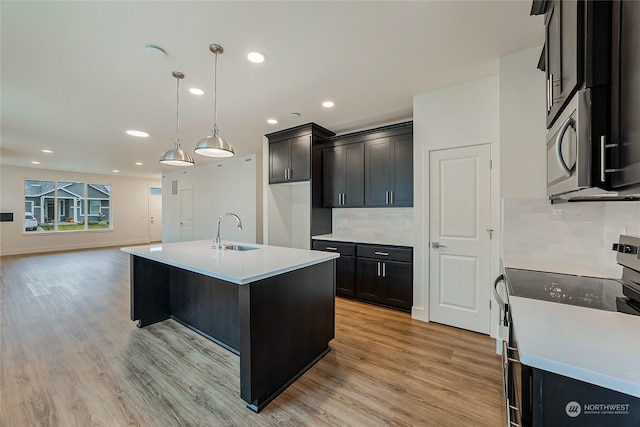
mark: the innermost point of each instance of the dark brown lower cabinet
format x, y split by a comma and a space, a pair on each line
345, 276
388, 283
381, 275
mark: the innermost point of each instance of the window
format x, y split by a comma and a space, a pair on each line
67, 205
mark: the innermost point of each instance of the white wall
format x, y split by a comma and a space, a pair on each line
289, 215
129, 209
523, 168
229, 185
467, 114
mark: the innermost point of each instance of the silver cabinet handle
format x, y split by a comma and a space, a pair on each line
391, 197
565, 126
603, 163
290, 172
437, 245
285, 174
344, 199
382, 253
331, 248
384, 269
378, 268
386, 198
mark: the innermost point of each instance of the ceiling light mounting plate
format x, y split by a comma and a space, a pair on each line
177, 74
216, 48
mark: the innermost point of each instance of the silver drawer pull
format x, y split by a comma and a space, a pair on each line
382, 253
331, 248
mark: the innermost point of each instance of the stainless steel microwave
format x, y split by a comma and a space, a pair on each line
569, 147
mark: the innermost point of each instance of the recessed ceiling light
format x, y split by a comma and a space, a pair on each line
139, 163
35, 162
116, 171
328, 104
272, 121
47, 151
138, 133
196, 91
255, 57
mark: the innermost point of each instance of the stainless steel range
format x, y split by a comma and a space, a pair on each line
535, 396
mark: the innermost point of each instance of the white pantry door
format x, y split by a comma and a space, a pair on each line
186, 214
460, 219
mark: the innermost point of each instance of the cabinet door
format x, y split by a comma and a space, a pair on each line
402, 171
300, 155
353, 175
378, 172
332, 176
389, 171
398, 284
625, 97
278, 161
345, 276
564, 55
368, 279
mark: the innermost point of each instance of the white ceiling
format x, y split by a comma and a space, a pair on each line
75, 75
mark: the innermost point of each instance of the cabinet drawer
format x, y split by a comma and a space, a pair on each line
339, 247
390, 253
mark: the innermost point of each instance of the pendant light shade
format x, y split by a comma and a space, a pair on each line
176, 156
214, 145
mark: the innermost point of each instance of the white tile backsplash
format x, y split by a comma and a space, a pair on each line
567, 238
396, 223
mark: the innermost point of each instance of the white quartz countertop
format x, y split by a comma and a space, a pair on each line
595, 346
371, 239
240, 267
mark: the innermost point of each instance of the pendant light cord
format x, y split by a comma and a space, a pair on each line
177, 112
215, 97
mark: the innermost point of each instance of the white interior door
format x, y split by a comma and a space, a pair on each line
186, 214
459, 251
155, 214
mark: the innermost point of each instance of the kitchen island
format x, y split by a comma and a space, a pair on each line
273, 306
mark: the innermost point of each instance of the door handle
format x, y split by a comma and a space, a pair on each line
437, 245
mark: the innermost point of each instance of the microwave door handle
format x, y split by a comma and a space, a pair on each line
568, 123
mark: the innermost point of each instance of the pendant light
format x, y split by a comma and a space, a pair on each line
176, 156
214, 145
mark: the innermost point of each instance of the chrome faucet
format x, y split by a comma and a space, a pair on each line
217, 240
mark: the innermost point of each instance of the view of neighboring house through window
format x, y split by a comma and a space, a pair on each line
66, 206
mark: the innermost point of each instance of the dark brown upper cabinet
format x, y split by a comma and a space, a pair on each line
290, 160
290, 152
625, 97
389, 171
564, 29
343, 176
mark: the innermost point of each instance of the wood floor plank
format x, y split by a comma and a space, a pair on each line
70, 356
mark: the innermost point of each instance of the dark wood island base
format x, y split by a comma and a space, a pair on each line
280, 326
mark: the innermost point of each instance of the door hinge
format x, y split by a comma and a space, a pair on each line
489, 304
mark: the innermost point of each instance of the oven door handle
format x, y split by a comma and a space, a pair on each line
510, 407
503, 305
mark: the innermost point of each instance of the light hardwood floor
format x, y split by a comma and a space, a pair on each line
70, 356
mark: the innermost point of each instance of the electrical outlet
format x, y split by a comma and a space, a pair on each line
558, 211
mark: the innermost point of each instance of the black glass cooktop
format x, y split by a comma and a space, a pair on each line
591, 292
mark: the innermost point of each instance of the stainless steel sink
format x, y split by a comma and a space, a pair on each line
239, 247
